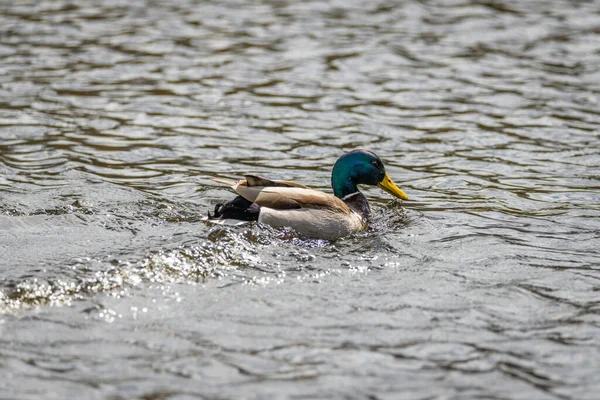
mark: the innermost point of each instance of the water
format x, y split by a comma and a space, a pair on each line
115, 115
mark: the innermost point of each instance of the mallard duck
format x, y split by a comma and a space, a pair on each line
308, 211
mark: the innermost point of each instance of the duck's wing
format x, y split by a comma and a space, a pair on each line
281, 198
284, 195
253, 180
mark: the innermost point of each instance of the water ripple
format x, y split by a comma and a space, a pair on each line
115, 115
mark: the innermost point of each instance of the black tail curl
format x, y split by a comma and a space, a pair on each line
238, 208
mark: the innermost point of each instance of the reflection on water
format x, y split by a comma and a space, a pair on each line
115, 115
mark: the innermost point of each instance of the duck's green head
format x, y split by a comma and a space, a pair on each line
361, 167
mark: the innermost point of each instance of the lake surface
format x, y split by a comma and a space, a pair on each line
115, 116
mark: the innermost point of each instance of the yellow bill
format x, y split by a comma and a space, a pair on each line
390, 187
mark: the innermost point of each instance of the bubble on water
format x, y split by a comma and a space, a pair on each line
225, 252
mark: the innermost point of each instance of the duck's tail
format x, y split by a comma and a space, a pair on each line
238, 208
225, 181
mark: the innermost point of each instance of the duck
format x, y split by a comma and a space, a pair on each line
310, 212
